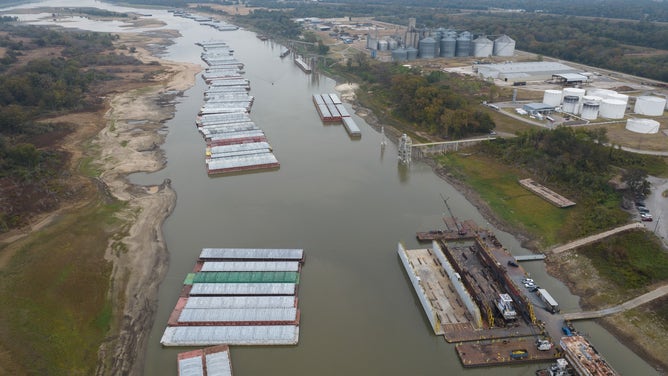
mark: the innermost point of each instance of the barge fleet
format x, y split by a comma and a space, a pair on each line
234, 143
238, 296
331, 110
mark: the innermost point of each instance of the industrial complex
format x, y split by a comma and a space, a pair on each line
475, 293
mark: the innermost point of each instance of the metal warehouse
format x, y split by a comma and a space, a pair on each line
526, 71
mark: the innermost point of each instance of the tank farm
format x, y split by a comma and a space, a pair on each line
470, 298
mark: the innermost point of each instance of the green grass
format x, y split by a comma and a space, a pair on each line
498, 185
631, 260
56, 311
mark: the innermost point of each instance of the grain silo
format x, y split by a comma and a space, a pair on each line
448, 46
552, 97
427, 48
400, 54
411, 53
590, 110
371, 42
645, 126
463, 47
571, 104
612, 109
393, 44
650, 106
383, 45
504, 46
482, 47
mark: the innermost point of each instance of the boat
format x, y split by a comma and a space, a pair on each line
285, 52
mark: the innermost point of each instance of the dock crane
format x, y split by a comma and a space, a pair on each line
460, 229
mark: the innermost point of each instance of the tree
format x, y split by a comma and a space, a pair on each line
636, 180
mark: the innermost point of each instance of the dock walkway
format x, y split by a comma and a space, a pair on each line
597, 237
640, 300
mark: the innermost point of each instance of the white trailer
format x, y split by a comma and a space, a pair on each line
549, 301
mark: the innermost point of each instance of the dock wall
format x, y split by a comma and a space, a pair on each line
459, 286
417, 286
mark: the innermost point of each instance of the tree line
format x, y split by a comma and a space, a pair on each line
580, 163
34, 88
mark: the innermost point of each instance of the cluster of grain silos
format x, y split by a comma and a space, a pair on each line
442, 43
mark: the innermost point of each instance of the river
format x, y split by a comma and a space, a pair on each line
345, 202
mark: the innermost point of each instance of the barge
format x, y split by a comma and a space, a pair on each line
331, 110
302, 65
211, 361
233, 141
238, 296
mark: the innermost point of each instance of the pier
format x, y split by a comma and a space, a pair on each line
546, 194
633, 303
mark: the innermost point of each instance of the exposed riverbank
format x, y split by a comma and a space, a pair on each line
130, 142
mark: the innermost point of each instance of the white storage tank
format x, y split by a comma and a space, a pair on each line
612, 109
603, 93
650, 106
645, 126
482, 47
591, 98
552, 97
571, 104
573, 91
590, 110
620, 97
504, 46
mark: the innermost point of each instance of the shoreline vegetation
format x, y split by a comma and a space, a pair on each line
133, 256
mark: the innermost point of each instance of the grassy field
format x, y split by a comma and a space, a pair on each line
630, 261
56, 286
498, 185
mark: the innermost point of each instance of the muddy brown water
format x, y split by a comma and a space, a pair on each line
345, 202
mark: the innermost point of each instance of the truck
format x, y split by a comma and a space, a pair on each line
550, 304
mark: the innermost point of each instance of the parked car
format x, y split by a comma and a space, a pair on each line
646, 217
643, 210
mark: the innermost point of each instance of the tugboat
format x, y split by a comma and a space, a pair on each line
560, 368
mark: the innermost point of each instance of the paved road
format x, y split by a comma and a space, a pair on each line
658, 206
642, 299
596, 237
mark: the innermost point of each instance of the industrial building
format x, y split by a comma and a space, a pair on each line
525, 71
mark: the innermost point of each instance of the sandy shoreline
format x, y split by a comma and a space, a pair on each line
130, 142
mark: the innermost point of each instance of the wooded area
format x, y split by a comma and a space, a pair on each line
33, 86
